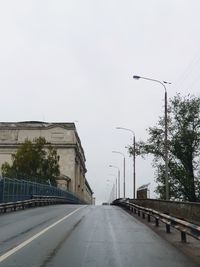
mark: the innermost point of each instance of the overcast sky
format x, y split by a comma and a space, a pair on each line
73, 61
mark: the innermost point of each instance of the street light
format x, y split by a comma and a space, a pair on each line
134, 175
113, 166
166, 131
124, 163
115, 184
112, 192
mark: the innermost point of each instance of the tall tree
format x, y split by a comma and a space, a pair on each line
35, 161
183, 146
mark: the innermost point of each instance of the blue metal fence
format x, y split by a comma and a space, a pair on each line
12, 190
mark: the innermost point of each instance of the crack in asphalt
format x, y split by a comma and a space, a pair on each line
26, 231
53, 253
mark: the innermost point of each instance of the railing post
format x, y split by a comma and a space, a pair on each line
168, 228
183, 237
157, 222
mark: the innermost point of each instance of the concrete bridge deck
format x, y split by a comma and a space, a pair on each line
82, 236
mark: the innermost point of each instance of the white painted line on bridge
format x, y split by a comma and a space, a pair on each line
25, 243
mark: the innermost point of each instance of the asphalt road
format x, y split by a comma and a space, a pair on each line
82, 236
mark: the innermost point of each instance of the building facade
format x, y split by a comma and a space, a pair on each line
64, 138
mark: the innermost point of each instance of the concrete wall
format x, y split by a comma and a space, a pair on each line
67, 163
5, 156
188, 210
88, 196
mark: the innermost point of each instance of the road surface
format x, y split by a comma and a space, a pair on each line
82, 236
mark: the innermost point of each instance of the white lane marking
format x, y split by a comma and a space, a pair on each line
23, 244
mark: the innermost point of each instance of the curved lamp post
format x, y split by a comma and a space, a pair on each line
115, 184
134, 175
113, 166
124, 163
166, 131
112, 192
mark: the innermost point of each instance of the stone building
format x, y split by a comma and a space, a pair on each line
63, 137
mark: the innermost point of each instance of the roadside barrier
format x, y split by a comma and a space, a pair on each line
185, 228
14, 190
36, 201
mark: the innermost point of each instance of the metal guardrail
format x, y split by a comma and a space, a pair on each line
36, 201
187, 211
184, 227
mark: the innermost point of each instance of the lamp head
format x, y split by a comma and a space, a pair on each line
136, 77
167, 82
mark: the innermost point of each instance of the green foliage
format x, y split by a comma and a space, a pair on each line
183, 146
36, 161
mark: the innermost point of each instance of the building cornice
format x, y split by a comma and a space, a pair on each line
36, 125
17, 145
88, 186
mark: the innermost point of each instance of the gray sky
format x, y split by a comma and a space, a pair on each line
74, 61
